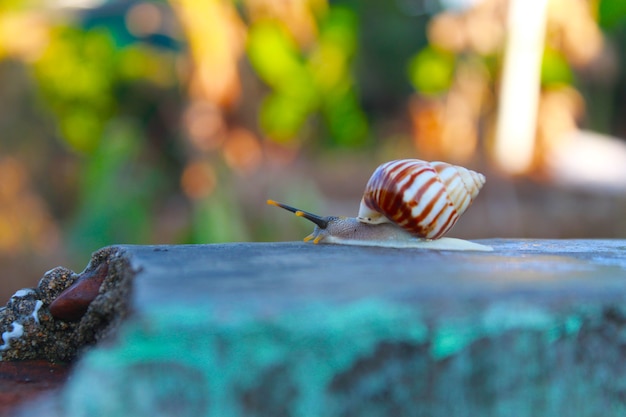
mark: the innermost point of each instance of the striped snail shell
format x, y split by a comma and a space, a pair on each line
424, 198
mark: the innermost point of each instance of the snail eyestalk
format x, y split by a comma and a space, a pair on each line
321, 222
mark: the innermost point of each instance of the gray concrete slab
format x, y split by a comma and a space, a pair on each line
294, 329
278, 276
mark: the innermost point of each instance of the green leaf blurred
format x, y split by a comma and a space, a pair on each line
76, 77
307, 82
555, 69
611, 13
117, 191
431, 71
276, 58
281, 117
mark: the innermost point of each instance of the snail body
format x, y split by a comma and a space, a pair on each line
406, 204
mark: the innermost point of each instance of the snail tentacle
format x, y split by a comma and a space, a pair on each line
321, 222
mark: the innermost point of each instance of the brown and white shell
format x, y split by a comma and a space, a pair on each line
424, 198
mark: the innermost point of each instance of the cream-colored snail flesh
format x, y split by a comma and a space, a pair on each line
407, 203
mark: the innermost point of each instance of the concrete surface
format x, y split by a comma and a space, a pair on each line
535, 328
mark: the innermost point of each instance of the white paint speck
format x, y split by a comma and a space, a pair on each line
38, 305
22, 293
16, 333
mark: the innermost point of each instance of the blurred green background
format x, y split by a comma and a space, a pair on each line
172, 122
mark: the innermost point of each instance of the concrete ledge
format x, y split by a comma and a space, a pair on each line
292, 329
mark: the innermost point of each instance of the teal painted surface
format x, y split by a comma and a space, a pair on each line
369, 358
451, 337
221, 364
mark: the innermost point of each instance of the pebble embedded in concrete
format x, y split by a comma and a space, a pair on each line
64, 313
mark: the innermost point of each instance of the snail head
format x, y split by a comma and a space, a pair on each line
336, 229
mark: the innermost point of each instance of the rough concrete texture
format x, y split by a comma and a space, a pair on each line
535, 328
29, 330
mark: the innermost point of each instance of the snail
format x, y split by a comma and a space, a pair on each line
407, 203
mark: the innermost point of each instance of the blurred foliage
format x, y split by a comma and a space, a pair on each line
611, 13
80, 74
117, 192
94, 89
304, 83
155, 121
555, 69
431, 71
